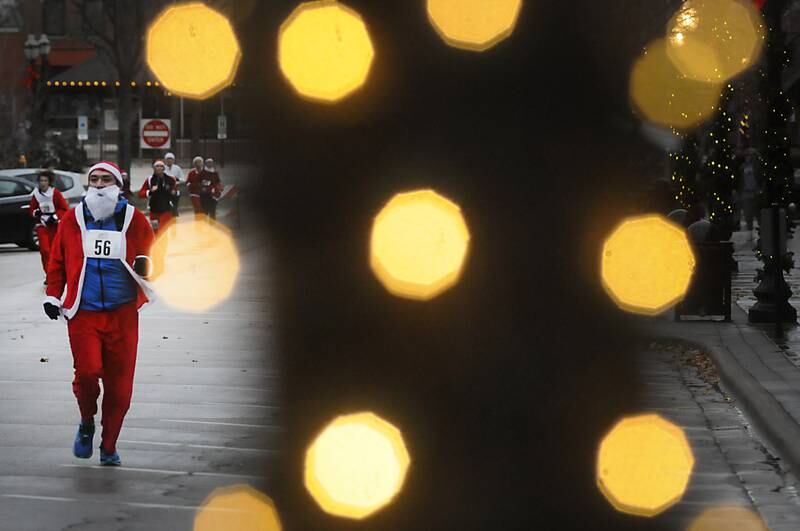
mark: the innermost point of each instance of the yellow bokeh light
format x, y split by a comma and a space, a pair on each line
473, 24
714, 40
324, 50
356, 465
643, 465
419, 244
193, 50
238, 507
195, 264
647, 264
728, 519
665, 96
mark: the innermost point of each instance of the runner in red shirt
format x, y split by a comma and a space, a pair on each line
96, 281
47, 207
205, 188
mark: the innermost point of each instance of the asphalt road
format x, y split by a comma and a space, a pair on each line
204, 411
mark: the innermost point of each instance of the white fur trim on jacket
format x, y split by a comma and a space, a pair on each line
52, 300
69, 313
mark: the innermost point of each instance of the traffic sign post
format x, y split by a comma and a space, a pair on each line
222, 127
222, 134
83, 128
155, 133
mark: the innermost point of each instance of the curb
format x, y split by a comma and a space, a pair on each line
765, 412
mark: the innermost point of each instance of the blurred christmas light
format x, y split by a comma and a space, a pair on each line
647, 264
195, 264
239, 507
729, 519
356, 465
473, 24
715, 40
324, 50
418, 245
665, 96
643, 465
193, 51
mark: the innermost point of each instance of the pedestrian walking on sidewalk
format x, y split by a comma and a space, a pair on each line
175, 171
100, 257
205, 188
161, 190
750, 185
47, 207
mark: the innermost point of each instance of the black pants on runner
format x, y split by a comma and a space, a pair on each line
208, 205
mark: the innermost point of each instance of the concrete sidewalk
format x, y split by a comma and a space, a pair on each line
753, 369
732, 467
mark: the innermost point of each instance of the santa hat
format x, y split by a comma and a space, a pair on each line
169, 156
110, 167
159, 162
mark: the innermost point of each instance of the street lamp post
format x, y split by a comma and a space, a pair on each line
773, 292
36, 52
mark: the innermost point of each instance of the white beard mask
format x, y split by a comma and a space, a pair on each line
102, 201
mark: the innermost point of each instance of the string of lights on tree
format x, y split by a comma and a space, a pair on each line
718, 172
684, 165
778, 166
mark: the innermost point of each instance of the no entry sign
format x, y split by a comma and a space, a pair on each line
154, 133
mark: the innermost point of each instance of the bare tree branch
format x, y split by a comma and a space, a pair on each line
93, 32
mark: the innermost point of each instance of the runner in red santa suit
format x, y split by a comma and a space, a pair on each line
161, 190
47, 207
204, 187
95, 279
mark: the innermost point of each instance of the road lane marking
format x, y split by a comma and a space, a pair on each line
200, 446
74, 500
119, 470
261, 426
179, 385
146, 403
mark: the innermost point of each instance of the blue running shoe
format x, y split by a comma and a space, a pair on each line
111, 459
83, 441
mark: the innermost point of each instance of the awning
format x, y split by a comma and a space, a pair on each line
69, 52
96, 68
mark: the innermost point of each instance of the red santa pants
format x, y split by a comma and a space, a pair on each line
163, 219
104, 346
46, 236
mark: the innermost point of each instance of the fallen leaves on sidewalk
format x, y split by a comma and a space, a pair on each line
691, 357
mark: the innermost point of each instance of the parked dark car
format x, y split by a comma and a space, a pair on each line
16, 225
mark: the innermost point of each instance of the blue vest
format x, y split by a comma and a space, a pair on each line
107, 284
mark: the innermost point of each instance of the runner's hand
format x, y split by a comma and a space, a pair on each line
141, 266
37, 213
52, 311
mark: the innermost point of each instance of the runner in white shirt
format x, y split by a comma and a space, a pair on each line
176, 171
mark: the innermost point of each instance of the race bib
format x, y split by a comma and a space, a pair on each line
103, 244
47, 208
